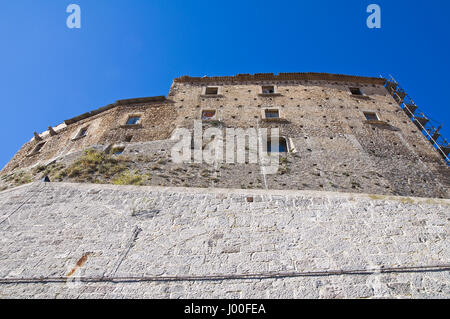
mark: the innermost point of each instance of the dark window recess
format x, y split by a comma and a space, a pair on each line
207, 115
38, 148
280, 148
133, 120
272, 114
356, 91
371, 116
118, 150
83, 132
212, 91
269, 89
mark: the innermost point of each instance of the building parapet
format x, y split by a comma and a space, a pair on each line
283, 77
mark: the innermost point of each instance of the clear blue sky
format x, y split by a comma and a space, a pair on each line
134, 48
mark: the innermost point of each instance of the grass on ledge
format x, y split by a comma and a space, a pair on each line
130, 178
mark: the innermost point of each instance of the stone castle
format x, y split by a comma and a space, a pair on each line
358, 208
338, 133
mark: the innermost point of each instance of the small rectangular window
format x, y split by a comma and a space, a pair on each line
356, 91
371, 116
268, 89
272, 114
81, 133
211, 91
208, 115
38, 148
133, 120
280, 148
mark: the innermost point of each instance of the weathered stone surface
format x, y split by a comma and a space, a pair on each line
92, 231
334, 147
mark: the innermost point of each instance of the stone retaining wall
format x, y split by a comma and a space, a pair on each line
67, 231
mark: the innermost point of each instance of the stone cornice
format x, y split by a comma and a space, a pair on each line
283, 77
142, 100
152, 99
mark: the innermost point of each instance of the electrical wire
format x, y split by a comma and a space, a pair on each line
260, 276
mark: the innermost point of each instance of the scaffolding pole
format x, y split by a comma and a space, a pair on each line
422, 121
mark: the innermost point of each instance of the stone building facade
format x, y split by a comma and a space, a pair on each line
358, 206
342, 133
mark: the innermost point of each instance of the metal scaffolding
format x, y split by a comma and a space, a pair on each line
429, 127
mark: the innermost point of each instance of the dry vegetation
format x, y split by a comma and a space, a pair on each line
154, 169
92, 167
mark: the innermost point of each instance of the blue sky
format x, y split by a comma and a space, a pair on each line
134, 48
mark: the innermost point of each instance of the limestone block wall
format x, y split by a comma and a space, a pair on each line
62, 240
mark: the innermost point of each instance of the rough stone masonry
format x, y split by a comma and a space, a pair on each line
342, 133
358, 209
65, 240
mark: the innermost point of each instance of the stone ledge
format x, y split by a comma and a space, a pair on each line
361, 97
33, 154
78, 138
275, 120
218, 96
269, 94
247, 192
